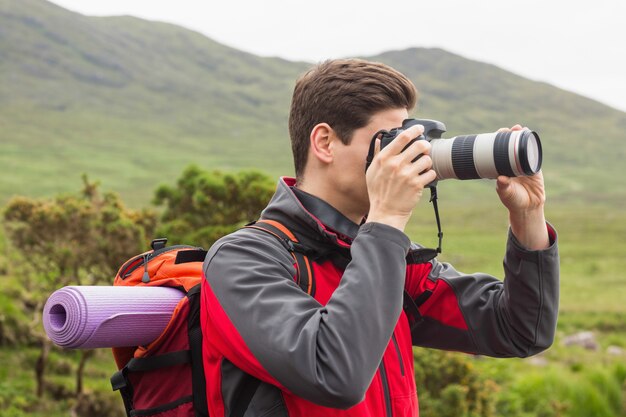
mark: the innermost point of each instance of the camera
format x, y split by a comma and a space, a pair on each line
466, 157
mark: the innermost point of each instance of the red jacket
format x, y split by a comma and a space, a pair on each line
347, 351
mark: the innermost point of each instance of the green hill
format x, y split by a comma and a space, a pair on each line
131, 102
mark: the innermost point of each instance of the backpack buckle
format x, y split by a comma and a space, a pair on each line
118, 380
157, 244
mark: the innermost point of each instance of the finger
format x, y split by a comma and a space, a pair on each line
415, 150
376, 147
399, 143
427, 177
508, 129
503, 181
424, 163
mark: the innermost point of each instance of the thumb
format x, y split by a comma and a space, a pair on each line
503, 183
377, 147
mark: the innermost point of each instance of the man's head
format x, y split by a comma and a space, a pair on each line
345, 94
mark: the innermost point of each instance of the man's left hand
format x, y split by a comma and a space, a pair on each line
525, 198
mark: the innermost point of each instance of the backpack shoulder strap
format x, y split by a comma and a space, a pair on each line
194, 331
305, 278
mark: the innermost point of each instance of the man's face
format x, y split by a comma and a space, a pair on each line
349, 160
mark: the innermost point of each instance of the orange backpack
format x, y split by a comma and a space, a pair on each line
166, 377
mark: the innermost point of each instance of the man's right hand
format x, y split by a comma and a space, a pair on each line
394, 183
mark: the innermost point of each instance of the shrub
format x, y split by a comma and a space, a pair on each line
450, 386
204, 206
554, 393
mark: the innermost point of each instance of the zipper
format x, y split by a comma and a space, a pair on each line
146, 277
395, 343
386, 392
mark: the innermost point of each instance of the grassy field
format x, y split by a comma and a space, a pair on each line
592, 243
564, 381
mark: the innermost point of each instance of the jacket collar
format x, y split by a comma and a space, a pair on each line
312, 219
332, 218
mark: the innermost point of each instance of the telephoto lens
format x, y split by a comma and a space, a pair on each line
487, 155
484, 155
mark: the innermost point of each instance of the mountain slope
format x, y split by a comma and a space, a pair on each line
132, 102
583, 139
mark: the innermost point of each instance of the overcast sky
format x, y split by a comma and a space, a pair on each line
576, 45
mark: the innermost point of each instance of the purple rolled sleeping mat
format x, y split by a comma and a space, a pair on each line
85, 317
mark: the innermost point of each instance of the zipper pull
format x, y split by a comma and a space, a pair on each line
146, 277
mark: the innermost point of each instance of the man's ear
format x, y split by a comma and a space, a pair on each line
321, 139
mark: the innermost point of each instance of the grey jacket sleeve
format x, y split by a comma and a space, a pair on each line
327, 354
511, 318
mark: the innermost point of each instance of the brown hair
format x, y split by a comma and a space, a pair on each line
345, 93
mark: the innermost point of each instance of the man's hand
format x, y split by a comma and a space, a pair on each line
525, 198
394, 183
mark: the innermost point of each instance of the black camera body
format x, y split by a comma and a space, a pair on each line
433, 129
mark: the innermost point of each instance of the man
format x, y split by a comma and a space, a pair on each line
347, 350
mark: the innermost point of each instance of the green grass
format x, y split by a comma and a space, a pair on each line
553, 391
17, 381
591, 247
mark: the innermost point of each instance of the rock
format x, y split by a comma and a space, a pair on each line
585, 340
614, 350
538, 361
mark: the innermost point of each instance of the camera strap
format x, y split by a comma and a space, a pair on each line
424, 255
433, 199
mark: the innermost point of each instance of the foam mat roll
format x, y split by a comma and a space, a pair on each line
85, 317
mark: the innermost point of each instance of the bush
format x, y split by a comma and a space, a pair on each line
14, 399
450, 386
204, 205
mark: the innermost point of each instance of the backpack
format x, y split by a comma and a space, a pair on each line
166, 377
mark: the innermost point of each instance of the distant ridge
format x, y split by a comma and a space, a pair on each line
131, 102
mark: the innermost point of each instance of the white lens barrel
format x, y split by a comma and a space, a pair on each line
483, 156
441, 155
487, 155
